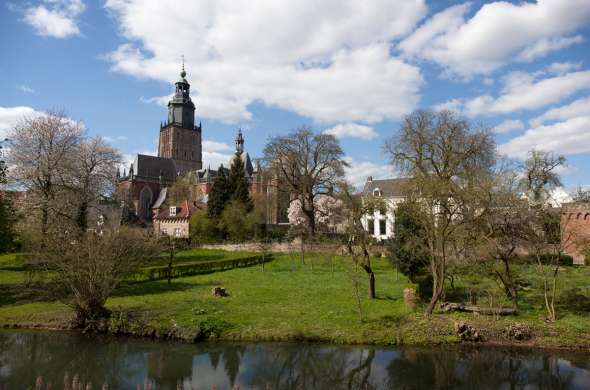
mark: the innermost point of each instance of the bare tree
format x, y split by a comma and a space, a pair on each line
449, 163
86, 269
92, 178
505, 229
547, 238
43, 151
540, 175
358, 239
307, 165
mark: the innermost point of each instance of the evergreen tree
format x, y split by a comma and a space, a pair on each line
238, 182
219, 195
6, 215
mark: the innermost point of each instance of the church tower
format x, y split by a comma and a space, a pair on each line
180, 139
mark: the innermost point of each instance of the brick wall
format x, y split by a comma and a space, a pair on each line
575, 222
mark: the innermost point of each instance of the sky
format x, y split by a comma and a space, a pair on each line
349, 68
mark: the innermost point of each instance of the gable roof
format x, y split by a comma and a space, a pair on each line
152, 166
388, 187
184, 209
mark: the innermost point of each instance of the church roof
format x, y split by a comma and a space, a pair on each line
152, 166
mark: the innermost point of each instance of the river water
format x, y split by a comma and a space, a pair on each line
124, 363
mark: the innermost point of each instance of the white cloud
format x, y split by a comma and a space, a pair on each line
564, 67
26, 89
214, 159
451, 105
577, 108
10, 116
358, 171
567, 137
120, 138
523, 92
329, 61
352, 130
546, 45
214, 146
498, 33
55, 18
508, 126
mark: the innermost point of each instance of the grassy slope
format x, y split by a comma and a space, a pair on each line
289, 301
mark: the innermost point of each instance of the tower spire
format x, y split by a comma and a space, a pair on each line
182, 72
239, 142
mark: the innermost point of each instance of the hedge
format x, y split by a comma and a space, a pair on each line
187, 269
547, 259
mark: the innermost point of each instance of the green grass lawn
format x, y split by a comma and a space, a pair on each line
315, 301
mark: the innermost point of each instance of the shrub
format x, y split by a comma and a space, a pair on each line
425, 286
180, 270
407, 248
546, 259
203, 229
211, 328
237, 222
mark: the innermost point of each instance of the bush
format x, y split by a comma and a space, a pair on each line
203, 229
180, 270
546, 259
211, 328
425, 286
407, 248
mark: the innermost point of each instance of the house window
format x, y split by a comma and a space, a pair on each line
382, 226
376, 192
382, 210
173, 211
176, 232
165, 231
370, 226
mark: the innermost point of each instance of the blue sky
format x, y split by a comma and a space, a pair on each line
351, 68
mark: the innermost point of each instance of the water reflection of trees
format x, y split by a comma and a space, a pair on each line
481, 369
312, 367
24, 356
122, 364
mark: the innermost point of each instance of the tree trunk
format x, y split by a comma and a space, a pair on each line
81, 218
508, 283
438, 285
371, 285
171, 260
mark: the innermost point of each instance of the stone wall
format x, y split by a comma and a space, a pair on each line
575, 223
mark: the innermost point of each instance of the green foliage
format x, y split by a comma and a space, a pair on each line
7, 234
547, 259
211, 328
180, 270
204, 230
238, 182
219, 194
408, 246
237, 222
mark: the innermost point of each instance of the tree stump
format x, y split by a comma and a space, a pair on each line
219, 292
410, 298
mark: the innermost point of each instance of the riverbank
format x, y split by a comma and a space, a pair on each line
312, 302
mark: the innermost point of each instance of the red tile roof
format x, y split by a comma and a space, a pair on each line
183, 210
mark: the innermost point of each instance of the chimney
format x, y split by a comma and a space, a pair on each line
370, 179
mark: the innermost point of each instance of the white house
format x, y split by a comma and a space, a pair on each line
380, 222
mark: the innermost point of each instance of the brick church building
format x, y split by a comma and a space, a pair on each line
143, 188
